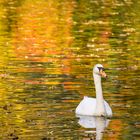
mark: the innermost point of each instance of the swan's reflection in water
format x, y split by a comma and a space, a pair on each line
99, 123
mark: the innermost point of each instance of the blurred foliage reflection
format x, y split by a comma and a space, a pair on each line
48, 49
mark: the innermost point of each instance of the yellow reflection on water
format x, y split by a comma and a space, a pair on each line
48, 49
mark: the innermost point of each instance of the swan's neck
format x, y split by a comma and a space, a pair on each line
100, 108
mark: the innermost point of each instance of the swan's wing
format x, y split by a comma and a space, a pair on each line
108, 109
86, 107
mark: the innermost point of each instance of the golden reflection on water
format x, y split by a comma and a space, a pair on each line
48, 49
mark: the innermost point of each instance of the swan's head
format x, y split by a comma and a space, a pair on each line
99, 69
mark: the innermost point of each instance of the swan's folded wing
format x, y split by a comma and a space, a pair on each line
86, 107
108, 109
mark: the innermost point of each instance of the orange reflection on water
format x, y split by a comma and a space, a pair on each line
116, 126
44, 32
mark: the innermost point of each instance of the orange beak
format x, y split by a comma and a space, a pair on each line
103, 74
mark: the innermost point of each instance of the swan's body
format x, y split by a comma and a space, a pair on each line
95, 106
88, 107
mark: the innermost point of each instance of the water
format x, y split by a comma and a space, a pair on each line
48, 49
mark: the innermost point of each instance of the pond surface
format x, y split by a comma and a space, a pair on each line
48, 49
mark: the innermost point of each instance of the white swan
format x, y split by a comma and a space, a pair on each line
95, 106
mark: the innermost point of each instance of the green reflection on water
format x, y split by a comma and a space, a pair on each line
48, 49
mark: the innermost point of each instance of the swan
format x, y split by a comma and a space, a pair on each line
95, 106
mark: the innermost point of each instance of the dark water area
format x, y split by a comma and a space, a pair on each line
48, 49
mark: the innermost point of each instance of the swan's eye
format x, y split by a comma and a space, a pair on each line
101, 68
